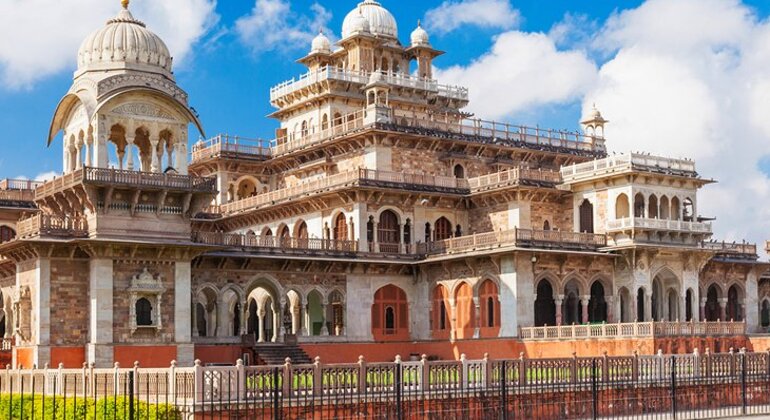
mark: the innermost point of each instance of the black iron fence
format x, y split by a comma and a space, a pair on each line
689, 386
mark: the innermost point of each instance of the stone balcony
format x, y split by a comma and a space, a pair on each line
632, 330
42, 226
644, 224
231, 147
331, 74
626, 163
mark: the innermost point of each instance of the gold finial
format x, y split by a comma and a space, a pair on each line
125, 3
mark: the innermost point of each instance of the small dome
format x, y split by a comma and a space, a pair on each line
420, 37
124, 41
354, 24
381, 21
321, 44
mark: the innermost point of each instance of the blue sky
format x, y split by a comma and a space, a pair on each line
683, 78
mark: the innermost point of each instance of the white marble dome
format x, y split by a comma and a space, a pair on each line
321, 44
420, 37
124, 42
381, 21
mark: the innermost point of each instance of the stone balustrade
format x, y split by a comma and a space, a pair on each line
42, 225
18, 184
230, 146
623, 163
632, 330
640, 223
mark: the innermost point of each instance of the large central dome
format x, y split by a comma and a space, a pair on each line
123, 43
381, 21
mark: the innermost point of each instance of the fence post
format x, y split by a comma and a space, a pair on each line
573, 367
317, 377
136, 378
697, 367
743, 380
425, 372
605, 367
200, 383
287, 380
707, 356
240, 381
84, 377
732, 362
116, 380
464, 371
522, 370
131, 394
487, 379
398, 388
503, 389
673, 387
361, 375
60, 378
635, 366
172, 378
594, 390
92, 380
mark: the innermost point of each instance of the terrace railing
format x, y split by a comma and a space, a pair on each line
515, 237
42, 225
658, 224
233, 146
731, 248
17, 195
624, 162
236, 240
117, 177
19, 184
513, 176
632, 330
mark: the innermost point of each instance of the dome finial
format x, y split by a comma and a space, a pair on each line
419, 23
124, 3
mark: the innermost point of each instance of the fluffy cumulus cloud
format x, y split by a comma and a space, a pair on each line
41, 37
529, 68
274, 25
699, 90
452, 14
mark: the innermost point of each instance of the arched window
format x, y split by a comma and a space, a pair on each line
302, 232
340, 228
465, 312
6, 234
490, 309
304, 128
200, 319
586, 217
143, 313
640, 315
545, 307
388, 229
325, 122
676, 213
653, 207
427, 232
408, 231
459, 171
284, 235
688, 211
546, 225
622, 208
440, 320
390, 314
639, 205
597, 305
458, 231
443, 229
765, 314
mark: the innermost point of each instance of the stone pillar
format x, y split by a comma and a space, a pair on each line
100, 351
65, 154
324, 328
182, 311
130, 152
181, 159
101, 159
41, 311
78, 155
584, 306
89, 146
376, 236
155, 165
558, 301
261, 327
703, 309
277, 322
306, 331
223, 319
751, 303
477, 317
610, 301
516, 293
723, 309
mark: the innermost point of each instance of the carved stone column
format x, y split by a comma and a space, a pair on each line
723, 309
261, 326
559, 301
155, 165
584, 306
130, 152
324, 328
703, 309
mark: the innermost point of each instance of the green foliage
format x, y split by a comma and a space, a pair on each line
27, 407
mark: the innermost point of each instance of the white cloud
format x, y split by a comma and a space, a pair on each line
273, 25
698, 90
46, 176
41, 37
522, 71
451, 15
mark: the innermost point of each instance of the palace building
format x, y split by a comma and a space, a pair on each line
383, 219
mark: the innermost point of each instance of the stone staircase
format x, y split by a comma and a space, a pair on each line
276, 354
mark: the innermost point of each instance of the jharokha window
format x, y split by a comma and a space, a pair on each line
340, 228
388, 229
143, 313
443, 229
390, 316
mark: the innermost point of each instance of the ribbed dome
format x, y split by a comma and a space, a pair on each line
124, 41
381, 21
321, 44
420, 37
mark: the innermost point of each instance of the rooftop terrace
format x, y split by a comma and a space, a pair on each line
628, 162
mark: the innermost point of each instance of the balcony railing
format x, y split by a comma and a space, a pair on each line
335, 181
632, 330
362, 78
516, 175
237, 240
19, 184
731, 248
234, 146
625, 162
17, 195
515, 237
116, 177
41, 225
631, 223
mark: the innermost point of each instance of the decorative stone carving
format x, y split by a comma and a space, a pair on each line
144, 80
22, 313
146, 286
143, 110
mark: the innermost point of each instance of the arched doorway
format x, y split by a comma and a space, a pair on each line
200, 320
597, 305
388, 232
6, 234
336, 314
340, 228
652, 210
712, 310
390, 314
586, 217
626, 312
733, 309
764, 315
466, 312
688, 301
640, 305
459, 171
545, 307
639, 205
571, 311
673, 305
622, 207
443, 229
315, 313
